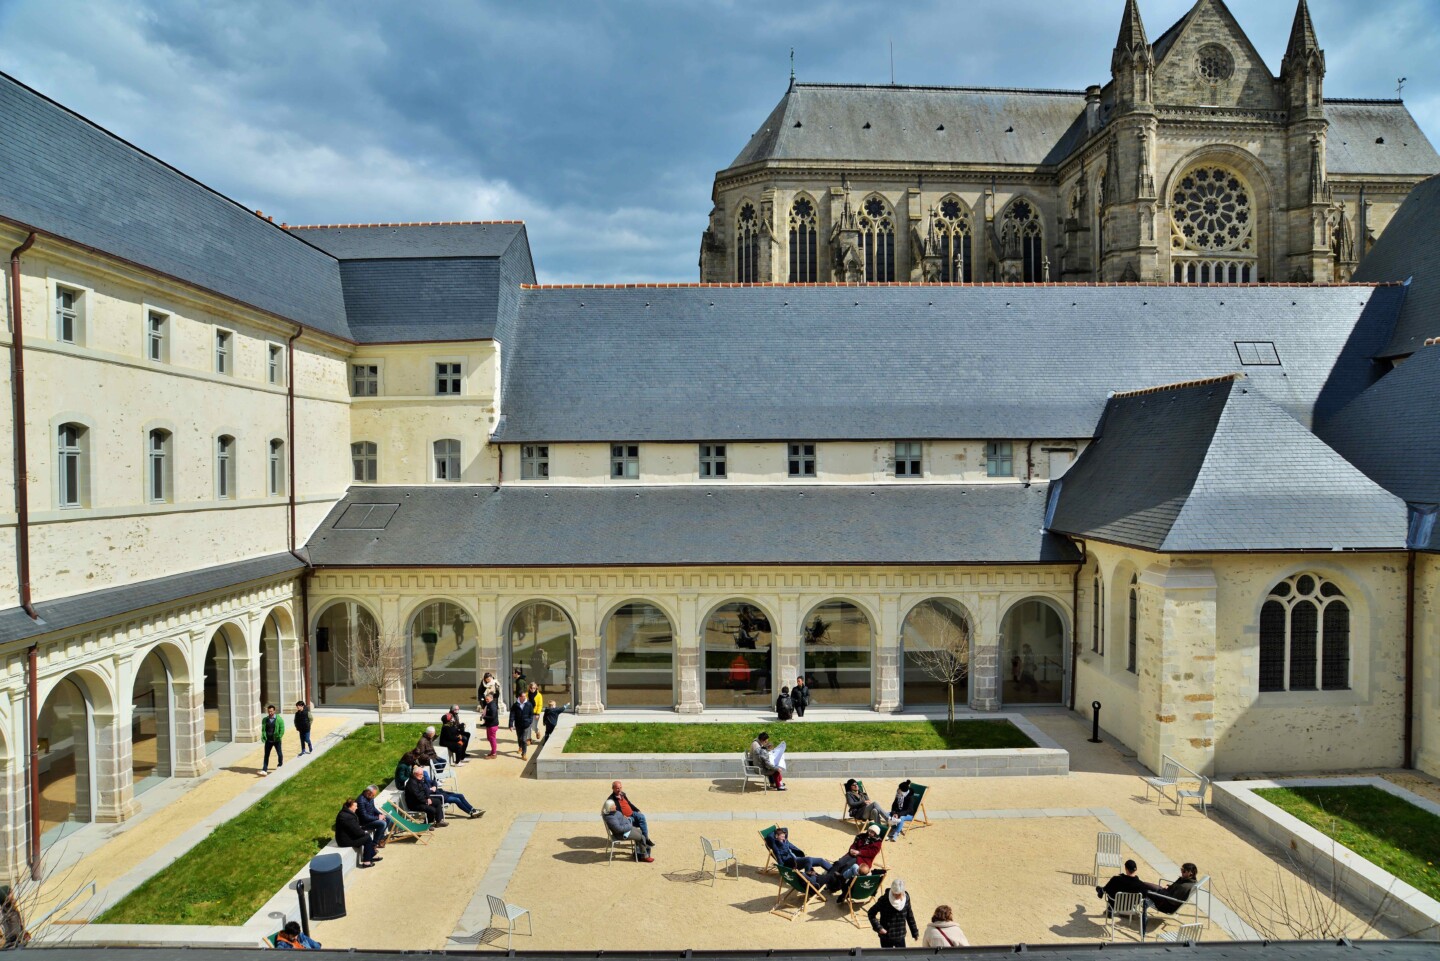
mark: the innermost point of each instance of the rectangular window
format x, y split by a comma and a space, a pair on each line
1257, 353
908, 458
625, 461
67, 315
447, 379
535, 462
71, 452
364, 380
225, 467
802, 460
365, 461
447, 460
159, 456
275, 364
712, 460
999, 459
277, 468
157, 337
223, 362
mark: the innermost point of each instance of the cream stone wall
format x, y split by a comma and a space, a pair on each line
1427, 679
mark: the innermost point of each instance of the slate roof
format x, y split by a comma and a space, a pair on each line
1215, 466
624, 524
1409, 249
394, 241
1352, 145
933, 361
62, 174
70, 612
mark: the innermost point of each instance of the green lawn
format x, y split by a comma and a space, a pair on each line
1380, 827
228, 876
651, 738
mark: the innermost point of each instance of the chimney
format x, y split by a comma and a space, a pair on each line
1092, 109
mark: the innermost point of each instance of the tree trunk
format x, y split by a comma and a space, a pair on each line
950, 720
380, 713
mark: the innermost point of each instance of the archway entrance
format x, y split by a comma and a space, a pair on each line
152, 723
542, 644
220, 707
738, 646
442, 647
66, 732
936, 642
639, 658
338, 631
837, 643
1032, 654
272, 688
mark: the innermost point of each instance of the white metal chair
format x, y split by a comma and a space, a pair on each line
511, 914
748, 770
1185, 934
1193, 794
718, 857
614, 842
1169, 774
1107, 855
1124, 906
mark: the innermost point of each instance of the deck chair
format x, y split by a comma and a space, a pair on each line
749, 770
862, 888
794, 882
1169, 774
880, 858
403, 825
717, 857
922, 817
845, 807
1124, 907
1108, 856
1185, 934
1191, 907
511, 914
769, 867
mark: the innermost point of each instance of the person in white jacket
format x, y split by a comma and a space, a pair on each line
943, 932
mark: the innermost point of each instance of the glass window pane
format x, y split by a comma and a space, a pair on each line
639, 658
738, 643
837, 640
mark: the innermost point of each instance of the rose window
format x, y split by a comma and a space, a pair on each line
1212, 214
1214, 63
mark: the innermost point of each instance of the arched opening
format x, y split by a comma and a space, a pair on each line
66, 731
542, 644
639, 657
152, 722
804, 255
1032, 654
442, 649
837, 643
1212, 217
877, 240
936, 641
272, 689
747, 245
220, 707
1305, 636
953, 226
338, 632
738, 646
1023, 241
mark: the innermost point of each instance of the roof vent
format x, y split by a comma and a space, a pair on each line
1009, 129
798, 125
867, 126
1379, 139
941, 127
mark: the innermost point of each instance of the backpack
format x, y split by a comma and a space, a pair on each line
784, 707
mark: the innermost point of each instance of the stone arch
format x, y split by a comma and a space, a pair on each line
837, 654
441, 651
937, 623
803, 232
226, 685
77, 728
540, 639
878, 225
159, 695
955, 228
334, 629
639, 654
747, 241
1023, 240
1034, 651
737, 637
1119, 608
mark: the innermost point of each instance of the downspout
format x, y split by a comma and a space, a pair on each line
1410, 672
1029, 462
500, 465
292, 526
33, 671
1075, 621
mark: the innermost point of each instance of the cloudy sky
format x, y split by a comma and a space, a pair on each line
600, 124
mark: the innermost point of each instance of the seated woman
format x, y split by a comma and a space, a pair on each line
349, 834
859, 805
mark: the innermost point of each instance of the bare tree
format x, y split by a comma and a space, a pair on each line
945, 656
50, 913
379, 664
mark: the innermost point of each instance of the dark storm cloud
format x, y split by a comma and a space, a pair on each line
600, 124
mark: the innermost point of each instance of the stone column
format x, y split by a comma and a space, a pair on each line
1177, 666
689, 657
244, 697
114, 791
189, 714
785, 644
589, 693
885, 667
14, 815
985, 658
489, 645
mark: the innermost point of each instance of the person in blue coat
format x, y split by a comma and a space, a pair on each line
372, 819
522, 715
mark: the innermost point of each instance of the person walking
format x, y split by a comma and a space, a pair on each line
522, 715
890, 915
942, 931
272, 732
490, 708
303, 721
537, 711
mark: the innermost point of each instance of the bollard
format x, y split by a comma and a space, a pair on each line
1095, 723
301, 886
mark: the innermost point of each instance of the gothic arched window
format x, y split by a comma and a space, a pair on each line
804, 260
1097, 616
1023, 231
747, 245
1212, 217
1305, 636
953, 225
877, 240
1132, 634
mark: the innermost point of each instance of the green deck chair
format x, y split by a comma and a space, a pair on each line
862, 888
769, 867
922, 817
405, 826
845, 808
884, 827
793, 882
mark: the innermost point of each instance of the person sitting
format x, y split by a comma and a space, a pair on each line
425, 750
942, 931
403, 767
788, 855
859, 859
903, 809
784, 707
762, 755
859, 805
624, 828
291, 938
372, 819
1128, 882
453, 736
422, 799
625, 806
349, 834
1167, 899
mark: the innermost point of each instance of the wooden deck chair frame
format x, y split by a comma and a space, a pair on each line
845, 814
869, 885
403, 825
770, 866
922, 817
795, 882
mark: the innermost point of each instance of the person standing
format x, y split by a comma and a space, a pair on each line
522, 715
943, 932
272, 732
890, 915
537, 709
488, 685
518, 682
800, 696
491, 710
303, 721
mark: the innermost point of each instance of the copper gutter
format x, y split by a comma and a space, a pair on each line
1410, 671
1075, 620
293, 527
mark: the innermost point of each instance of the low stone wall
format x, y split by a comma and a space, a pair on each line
1371, 886
1046, 758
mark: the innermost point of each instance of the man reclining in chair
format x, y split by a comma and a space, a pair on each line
1169, 898
859, 859
622, 827
788, 855
859, 805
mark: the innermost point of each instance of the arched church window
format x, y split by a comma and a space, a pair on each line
877, 240
1024, 240
953, 225
1213, 227
804, 259
747, 245
1305, 636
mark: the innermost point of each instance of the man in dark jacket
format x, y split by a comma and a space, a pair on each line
522, 715
303, 722
425, 749
903, 809
372, 819
422, 799
784, 706
552, 717
788, 855
1167, 899
800, 696
349, 834
890, 915
453, 736
518, 682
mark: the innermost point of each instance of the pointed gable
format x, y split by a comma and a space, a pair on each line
1245, 80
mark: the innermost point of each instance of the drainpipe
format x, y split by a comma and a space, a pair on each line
1410, 671
1075, 620
1029, 462
33, 678
500, 465
293, 526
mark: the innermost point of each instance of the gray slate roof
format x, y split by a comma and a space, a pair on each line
69, 612
63, 175
1409, 249
394, 241
623, 524
1356, 126
934, 361
1217, 467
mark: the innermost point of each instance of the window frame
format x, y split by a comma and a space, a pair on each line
77, 313
224, 352
276, 369
999, 453
713, 461
159, 465
154, 338
275, 468
624, 461
453, 377
365, 461
800, 454
76, 452
372, 377
535, 462
456, 458
1132, 632
913, 457
226, 452
1320, 603
1097, 614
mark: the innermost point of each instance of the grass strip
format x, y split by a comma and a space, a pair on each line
805, 736
1385, 830
230, 875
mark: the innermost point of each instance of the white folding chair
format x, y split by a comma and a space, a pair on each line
717, 857
1125, 905
1107, 854
749, 769
1185, 934
1169, 774
1193, 794
511, 914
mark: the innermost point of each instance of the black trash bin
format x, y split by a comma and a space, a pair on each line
327, 887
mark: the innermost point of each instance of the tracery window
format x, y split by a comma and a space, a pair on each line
1214, 63
747, 245
1305, 636
804, 259
1213, 227
1132, 634
877, 240
1097, 616
953, 225
1024, 232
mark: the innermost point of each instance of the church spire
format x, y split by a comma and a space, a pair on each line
1133, 63
1132, 29
1303, 69
1302, 36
